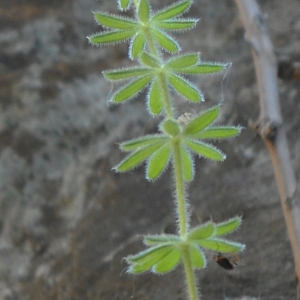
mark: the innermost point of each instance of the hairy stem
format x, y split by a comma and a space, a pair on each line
151, 44
190, 276
180, 194
183, 222
179, 181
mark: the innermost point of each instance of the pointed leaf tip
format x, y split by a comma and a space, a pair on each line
172, 11
132, 89
183, 61
165, 40
126, 73
143, 141
205, 150
205, 68
202, 121
228, 226
161, 239
115, 22
136, 158
218, 132
110, 37
176, 25
220, 245
146, 259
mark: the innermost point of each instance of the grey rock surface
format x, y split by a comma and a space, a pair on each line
67, 220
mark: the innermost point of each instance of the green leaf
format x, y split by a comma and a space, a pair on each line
122, 74
228, 226
204, 68
202, 231
187, 164
165, 41
143, 142
131, 89
115, 22
168, 263
169, 239
170, 127
182, 61
155, 103
136, 158
146, 259
220, 245
201, 121
158, 161
185, 88
110, 37
205, 150
124, 4
218, 132
172, 11
149, 60
197, 257
137, 46
176, 25
144, 11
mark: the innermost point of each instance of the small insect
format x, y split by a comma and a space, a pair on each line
227, 263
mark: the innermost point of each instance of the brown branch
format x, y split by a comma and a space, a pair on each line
269, 124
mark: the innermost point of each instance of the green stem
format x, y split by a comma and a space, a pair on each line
190, 276
179, 181
183, 221
151, 44
180, 195
154, 50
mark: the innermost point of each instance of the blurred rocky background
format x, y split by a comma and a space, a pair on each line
66, 219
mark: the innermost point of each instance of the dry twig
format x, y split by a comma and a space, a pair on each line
270, 125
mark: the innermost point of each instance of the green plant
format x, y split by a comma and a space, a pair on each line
178, 140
